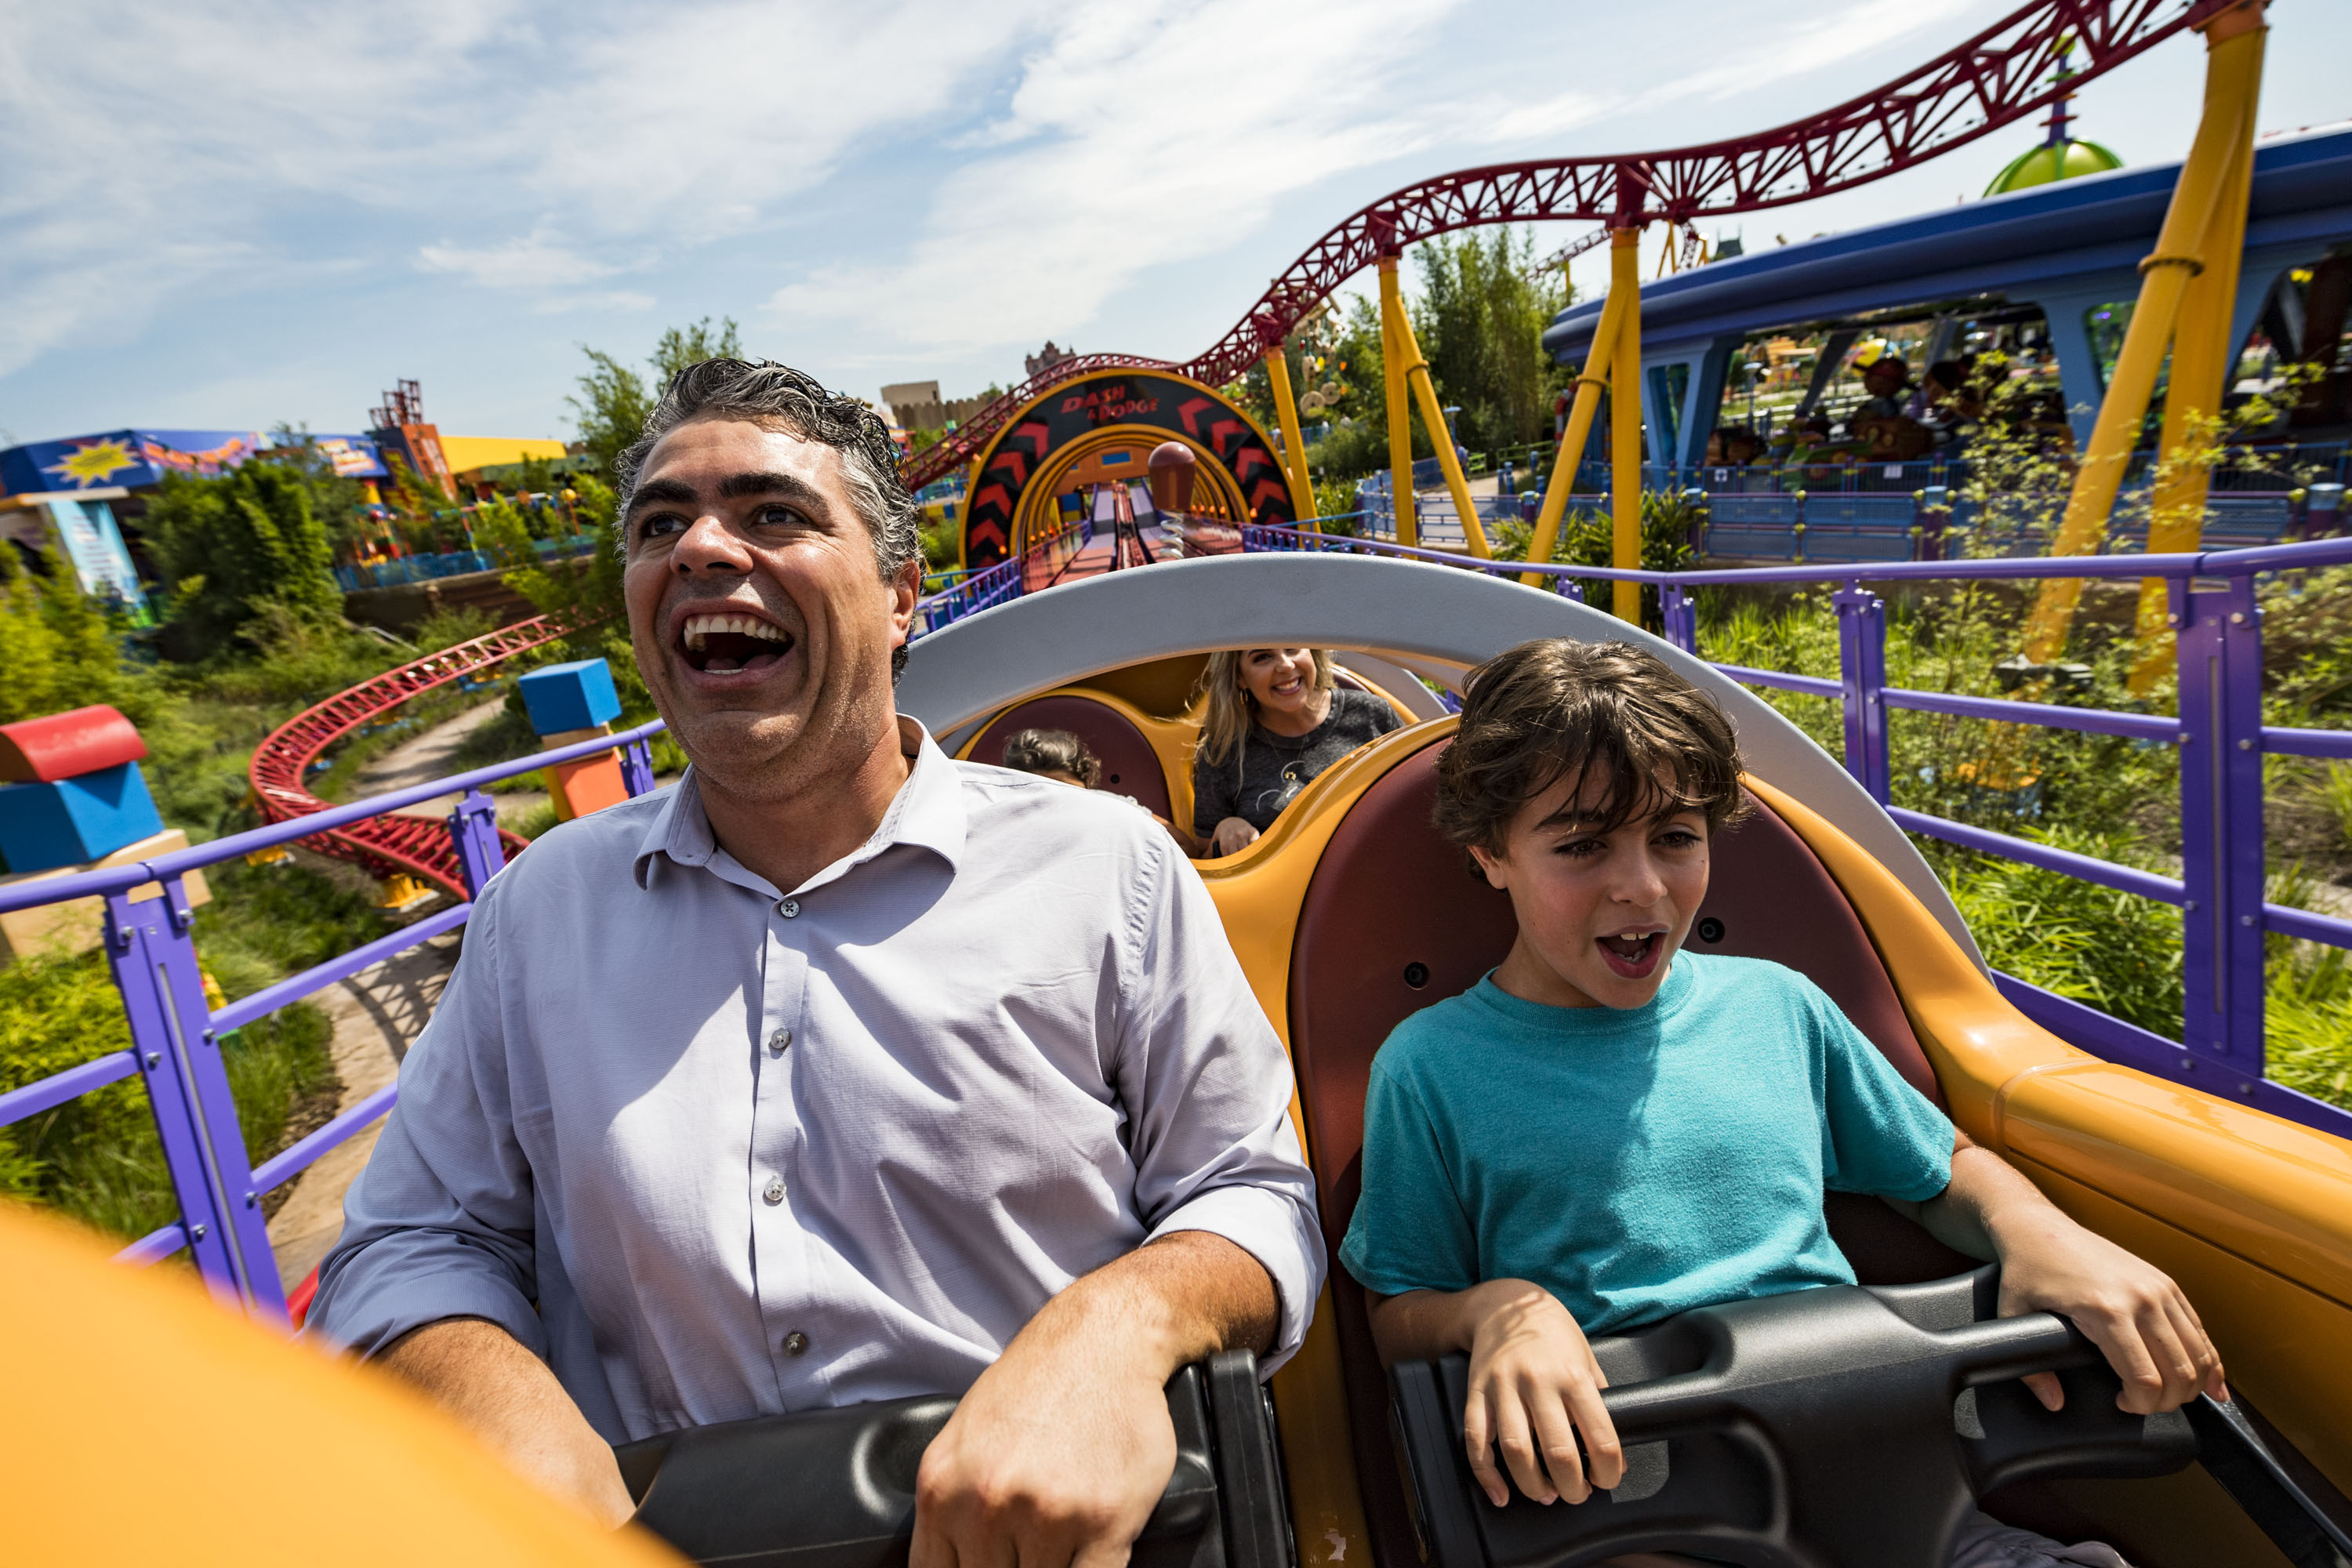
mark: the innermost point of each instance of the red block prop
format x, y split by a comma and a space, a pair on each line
67, 745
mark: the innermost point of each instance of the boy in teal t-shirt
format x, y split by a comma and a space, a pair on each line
1606, 1131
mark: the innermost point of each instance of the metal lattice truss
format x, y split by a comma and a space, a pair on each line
384, 846
1995, 78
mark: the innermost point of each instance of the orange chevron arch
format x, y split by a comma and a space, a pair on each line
1155, 405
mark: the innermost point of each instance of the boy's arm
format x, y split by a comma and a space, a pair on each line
1533, 1383
2131, 1310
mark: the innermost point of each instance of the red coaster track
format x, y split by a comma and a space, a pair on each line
383, 844
2002, 75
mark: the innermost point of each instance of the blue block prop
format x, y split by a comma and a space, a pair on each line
70, 821
575, 696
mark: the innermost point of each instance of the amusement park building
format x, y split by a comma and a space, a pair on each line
2070, 248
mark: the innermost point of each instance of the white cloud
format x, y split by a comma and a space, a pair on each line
533, 262
1139, 136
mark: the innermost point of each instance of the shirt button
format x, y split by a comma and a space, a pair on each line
779, 1042
795, 1342
774, 1191
789, 909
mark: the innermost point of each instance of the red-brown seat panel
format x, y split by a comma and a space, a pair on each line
1394, 920
1129, 765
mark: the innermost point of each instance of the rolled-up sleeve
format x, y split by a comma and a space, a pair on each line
1208, 1090
441, 1222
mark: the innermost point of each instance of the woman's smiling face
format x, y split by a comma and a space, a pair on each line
1601, 913
1282, 679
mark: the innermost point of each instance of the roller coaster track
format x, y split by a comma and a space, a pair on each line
383, 844
1995, 78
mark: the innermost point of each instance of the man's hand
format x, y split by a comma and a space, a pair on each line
481, 1375
1534, 1384
1059, 1452
1233, 835
2130, 1309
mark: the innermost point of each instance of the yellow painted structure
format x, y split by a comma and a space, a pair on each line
465, 454
1293, 439
1396, 398
1404, 364
1625, 420
2196, 226
1591, 383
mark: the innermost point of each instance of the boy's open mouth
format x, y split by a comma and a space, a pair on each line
1633, 955
725, 644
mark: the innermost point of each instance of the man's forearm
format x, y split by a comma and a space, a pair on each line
484, 1376
1184, 1297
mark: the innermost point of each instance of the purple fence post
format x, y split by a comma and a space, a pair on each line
1679, 614
637, 767
154, 961
2221, 838
474, 829
1861, 673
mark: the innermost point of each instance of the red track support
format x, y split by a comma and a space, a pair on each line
1999, 77
383, 844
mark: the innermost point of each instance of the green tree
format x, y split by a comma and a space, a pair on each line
1480, 321
614, 400
235, 547
56, 649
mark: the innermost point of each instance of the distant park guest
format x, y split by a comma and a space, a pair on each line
1276, 720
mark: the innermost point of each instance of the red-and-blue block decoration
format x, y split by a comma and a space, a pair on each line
74, 793
575, 696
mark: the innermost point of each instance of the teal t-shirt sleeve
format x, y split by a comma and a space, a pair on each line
1409, 1231
1880, 1135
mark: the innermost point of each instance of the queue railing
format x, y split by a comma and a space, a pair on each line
1039, 566
176, 1036
2217, 729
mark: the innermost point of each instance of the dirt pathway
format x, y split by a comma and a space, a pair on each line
377, 1014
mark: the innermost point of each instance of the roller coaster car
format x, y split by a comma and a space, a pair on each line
1845, 1427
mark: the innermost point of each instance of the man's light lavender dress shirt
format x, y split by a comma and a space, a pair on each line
719, 1149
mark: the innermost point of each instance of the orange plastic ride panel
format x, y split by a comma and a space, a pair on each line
144, 1424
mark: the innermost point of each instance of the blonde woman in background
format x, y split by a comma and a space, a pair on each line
1276, 720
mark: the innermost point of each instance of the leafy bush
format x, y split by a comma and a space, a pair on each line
98, 1157
2115, 951
237, 547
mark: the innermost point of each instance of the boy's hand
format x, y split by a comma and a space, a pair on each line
1533, 1386
2131, 1310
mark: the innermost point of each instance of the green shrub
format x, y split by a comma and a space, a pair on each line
2115, 951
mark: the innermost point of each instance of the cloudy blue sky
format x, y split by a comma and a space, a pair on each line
226, 215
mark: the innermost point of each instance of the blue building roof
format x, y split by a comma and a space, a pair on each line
2068, 249
2017, 246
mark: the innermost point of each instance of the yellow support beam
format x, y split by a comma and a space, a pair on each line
1625, 419
1433, 418
1392, 383
1590, 384
2204, 350
1294, 442
2233, 80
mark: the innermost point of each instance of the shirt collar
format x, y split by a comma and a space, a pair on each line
927, 812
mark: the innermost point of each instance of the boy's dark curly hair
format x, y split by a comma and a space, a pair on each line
1605, 713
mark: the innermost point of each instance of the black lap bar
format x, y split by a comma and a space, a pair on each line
1840, 1428
835, 1488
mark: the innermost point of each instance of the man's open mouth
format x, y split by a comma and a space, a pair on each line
1633, 955
726, 644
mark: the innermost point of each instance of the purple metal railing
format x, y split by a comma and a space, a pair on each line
2219, 731
175, 1036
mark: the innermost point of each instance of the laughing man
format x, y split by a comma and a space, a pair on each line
842, 1071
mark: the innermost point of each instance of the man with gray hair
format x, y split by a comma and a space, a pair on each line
841, 1072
